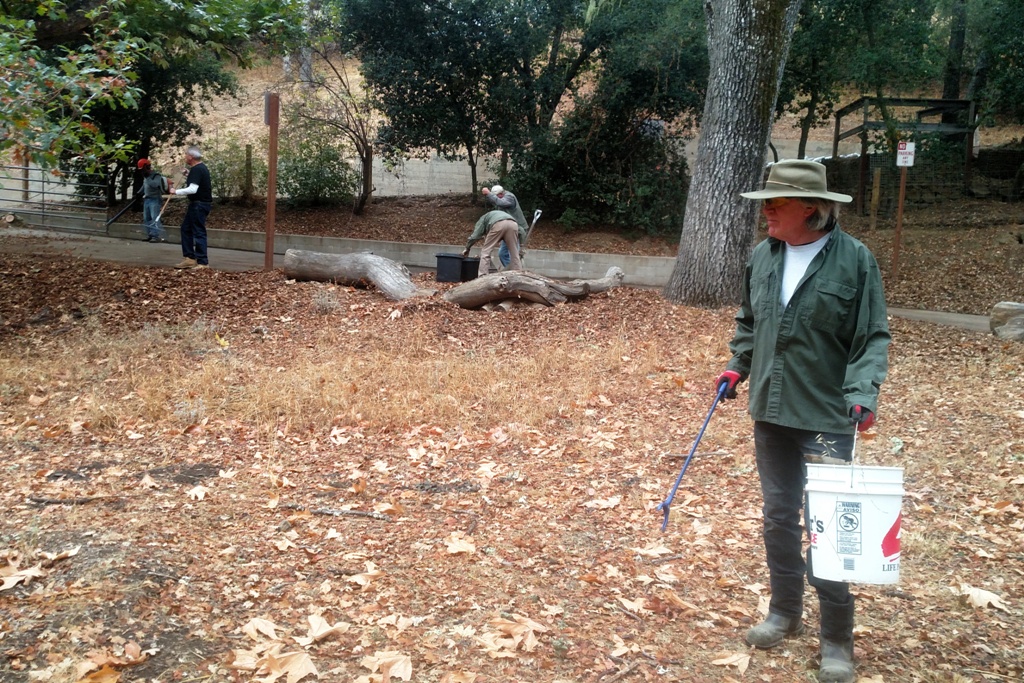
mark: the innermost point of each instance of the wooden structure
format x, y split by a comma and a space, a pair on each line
925, 107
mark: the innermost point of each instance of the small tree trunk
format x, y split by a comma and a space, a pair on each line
367, 186
390, 277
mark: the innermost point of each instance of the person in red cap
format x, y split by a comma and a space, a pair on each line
154, 186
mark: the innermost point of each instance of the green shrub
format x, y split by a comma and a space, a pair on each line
595, 172
312, 168
225, 156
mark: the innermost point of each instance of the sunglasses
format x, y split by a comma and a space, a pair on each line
776, 202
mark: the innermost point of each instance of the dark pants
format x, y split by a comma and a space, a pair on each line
781, 453
193, 232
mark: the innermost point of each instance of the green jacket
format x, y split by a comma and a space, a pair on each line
809, 364
509, 203
484, 224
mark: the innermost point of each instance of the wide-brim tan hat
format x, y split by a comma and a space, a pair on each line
797, 178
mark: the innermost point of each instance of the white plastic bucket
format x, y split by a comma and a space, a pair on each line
854, 515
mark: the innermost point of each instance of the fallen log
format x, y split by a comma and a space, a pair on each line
527, 286
356, 270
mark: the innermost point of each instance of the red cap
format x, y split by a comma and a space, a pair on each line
143, 163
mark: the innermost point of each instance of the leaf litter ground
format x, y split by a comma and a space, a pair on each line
216, 476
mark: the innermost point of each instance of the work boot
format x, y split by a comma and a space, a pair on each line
836, 662
186, 263
773, 630
836, 642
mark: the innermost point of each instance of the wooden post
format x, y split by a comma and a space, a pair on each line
862, 174
969, 151
247, 189
876, 197
271, 111
896, 238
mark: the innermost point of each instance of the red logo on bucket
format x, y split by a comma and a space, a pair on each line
891, 542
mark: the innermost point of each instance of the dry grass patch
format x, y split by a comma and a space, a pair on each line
185, 375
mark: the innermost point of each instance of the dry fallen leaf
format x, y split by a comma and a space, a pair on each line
293, 665
105, 675
319, 629
366, 577
977, 597
740, 660
458, 542
21, 576
258, 626
655, 549
459, 677
602, 503
390, 664
198, 493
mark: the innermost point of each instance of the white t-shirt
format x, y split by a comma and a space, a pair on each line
794, 265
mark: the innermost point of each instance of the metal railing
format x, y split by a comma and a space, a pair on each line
67, 200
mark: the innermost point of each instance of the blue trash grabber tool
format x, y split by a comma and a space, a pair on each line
665, 504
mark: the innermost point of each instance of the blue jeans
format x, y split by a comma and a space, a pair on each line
780, 453
193, 232
503, 254
151, 216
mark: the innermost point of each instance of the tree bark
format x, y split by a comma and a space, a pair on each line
526, 286
953, 71
390, 277
747, 45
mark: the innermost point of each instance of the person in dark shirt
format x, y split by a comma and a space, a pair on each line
199, 191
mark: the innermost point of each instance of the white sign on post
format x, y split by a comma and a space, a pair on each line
904, 154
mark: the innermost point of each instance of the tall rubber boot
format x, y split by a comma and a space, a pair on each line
836, 643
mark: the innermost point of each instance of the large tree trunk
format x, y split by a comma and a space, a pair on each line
953, 71
747, 45
390, 277
526, 286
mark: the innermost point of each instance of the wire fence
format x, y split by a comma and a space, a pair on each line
73, 201
935, 178
59, 199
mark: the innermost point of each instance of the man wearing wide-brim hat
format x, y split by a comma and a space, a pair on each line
812, 339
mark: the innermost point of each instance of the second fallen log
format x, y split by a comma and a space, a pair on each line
527, 286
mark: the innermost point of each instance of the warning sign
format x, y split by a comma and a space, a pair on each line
849, 534
904, 154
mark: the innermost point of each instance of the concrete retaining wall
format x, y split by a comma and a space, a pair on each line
646, 271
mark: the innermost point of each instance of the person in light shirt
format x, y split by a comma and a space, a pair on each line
812, 340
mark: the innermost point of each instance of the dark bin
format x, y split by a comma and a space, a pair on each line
470, 268
456, 268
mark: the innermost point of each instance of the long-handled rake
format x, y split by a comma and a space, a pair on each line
666, 504
166, 202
